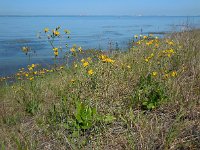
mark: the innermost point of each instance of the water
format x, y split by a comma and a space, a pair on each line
86, 31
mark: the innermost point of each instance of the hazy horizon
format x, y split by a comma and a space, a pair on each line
100, 8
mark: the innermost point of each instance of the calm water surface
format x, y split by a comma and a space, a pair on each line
88, 32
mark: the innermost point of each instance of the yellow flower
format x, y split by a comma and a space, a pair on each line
136, 36
174, 74
73, 50
129, 67
46, 30
61, 67
56, 53
26, 74
25, 49
102, 56
171, 43
55, 49
89, 58
168, 55
56, 33
90, 72
147, 43
151, 35
82, 60
30, 68
151, 55
75, 65
67, 31
166, 75
154, 73
31, 78
139, 42
156, 45
145, 37
33, 65
171, 51
72, 80
146, 59
85, 64
80, 49
108, 60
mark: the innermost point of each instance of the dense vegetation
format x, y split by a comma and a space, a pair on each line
143, 98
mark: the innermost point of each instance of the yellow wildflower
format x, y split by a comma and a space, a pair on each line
73, 50
102, 56
108, 60
171, 43
139, 42
26, 75
72, 80
30, 68
146, 59
90, 72
46, 30
31, 78
136, 36
154, 73
174, 73
129, 67
151, 55
75, 65
89, 58
33, 65
67, 31
56, 33
166, 75
156, 45
145, 37
151, 35
55, 49
25, 49
80, 49
56, 53
85, 64
82, 60
171, 51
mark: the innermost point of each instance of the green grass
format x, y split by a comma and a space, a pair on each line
148, 98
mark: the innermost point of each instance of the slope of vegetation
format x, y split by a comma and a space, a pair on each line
144, 98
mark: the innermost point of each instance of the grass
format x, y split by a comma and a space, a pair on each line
143, 98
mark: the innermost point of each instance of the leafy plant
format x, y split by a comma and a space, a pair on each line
32, 106
85, 116
149, 93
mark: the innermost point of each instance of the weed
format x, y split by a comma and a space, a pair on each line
149, 93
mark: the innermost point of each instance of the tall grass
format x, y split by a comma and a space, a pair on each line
144, 98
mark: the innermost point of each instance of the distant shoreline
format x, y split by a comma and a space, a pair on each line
91, 16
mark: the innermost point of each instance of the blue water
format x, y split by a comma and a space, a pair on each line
86, 31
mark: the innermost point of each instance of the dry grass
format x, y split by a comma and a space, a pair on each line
172, 124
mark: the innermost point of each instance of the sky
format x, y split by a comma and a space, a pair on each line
100, 7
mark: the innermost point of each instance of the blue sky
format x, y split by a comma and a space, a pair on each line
100, 7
